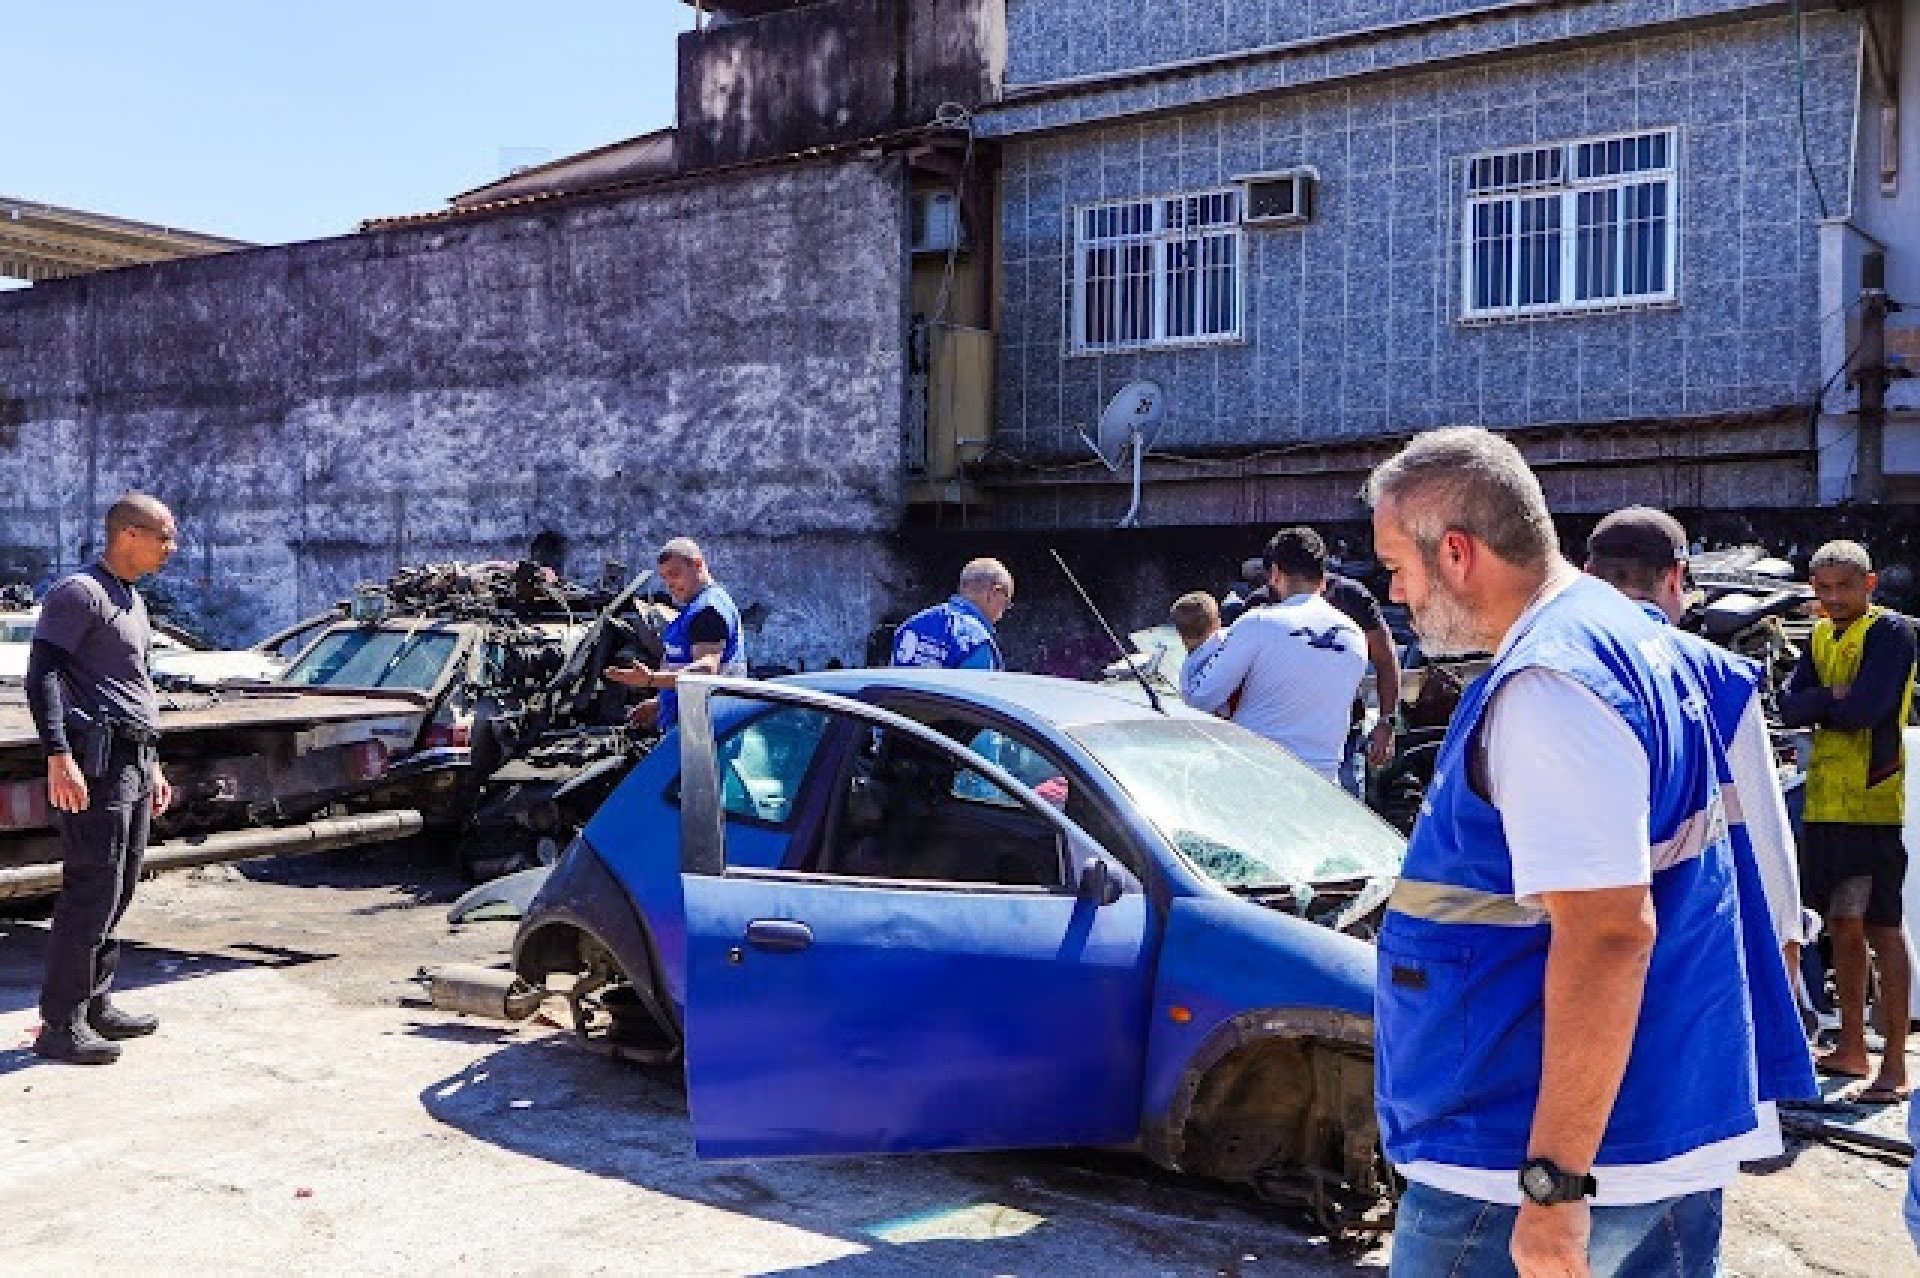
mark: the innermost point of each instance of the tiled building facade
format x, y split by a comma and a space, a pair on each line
1649, 315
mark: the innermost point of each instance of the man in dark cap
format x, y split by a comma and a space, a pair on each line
1642, 552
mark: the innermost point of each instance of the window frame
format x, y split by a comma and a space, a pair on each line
1565, 190
840, 772
703, 825
1158, 238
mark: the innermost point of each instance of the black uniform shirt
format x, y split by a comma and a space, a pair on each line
99, 624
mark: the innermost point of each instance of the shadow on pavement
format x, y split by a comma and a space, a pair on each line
1041, 1212
23, 957
420, 869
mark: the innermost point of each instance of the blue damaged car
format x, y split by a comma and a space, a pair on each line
892, 911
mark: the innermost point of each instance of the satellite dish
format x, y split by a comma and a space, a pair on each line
1130, 424
1136, 411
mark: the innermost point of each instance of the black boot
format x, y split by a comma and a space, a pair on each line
76, 1043
112, 1022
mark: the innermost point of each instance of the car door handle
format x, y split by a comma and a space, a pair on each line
779, 936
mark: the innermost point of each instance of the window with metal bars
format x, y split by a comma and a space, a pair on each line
1578, 226
1158, 272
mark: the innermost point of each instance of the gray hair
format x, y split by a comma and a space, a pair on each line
982, 575
1842, 554
1470, 480
685, 549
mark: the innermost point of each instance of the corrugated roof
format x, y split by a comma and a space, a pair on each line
48, 242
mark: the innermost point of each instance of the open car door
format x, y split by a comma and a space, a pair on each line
939, 959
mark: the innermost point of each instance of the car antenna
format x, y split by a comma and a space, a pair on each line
1153, 698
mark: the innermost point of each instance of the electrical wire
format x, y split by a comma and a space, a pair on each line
1800, 75
951, 115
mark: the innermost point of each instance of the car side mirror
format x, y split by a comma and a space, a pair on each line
1098, 883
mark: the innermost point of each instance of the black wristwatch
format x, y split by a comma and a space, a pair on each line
1542, 1181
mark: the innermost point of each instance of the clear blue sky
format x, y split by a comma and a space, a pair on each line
273, 121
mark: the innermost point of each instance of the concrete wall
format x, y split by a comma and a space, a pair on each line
721, 359
1351, 327
833, 72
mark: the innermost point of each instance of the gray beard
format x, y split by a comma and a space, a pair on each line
1446, 627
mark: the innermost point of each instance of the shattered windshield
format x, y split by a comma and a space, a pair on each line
1244, 811
367, 658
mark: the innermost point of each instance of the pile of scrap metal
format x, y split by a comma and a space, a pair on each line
550, 757
1751, 603
496, 589
508, 657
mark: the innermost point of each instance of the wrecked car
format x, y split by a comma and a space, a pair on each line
478, 643
897, 911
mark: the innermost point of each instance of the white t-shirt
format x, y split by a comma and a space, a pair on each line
1572, 784
1756, 783
1294, 667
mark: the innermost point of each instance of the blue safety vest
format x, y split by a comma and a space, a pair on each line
1459, 999
1784, 1061
945, 636
677, 646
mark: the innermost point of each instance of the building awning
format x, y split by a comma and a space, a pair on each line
47, 242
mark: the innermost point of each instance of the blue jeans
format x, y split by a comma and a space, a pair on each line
1442, 1235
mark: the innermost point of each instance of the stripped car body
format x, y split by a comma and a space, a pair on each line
895, 911
256, 770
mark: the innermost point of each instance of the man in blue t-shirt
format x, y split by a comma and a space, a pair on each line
959, 634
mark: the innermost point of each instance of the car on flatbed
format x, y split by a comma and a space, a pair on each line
895, 911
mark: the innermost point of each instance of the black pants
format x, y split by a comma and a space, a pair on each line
105, 846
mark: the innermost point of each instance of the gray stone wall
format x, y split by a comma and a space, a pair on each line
721, 359
1053, 41
1351, 322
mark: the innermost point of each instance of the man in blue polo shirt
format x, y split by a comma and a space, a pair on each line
959, 634
704, 639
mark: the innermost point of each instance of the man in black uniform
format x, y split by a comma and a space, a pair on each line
1355, 600
99, 720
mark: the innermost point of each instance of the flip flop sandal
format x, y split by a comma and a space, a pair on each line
1832, 1071
1881, 1096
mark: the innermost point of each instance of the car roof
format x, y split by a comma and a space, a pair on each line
1038, 699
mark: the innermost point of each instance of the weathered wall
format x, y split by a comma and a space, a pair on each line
1352, 330
722, 359
835, 72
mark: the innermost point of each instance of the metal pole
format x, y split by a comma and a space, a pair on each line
1870, 373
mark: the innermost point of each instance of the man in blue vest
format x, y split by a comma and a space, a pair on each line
704, 639
1642, 553
1571, 1062
959, 634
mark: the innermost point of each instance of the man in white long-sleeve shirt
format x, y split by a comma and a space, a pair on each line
1289, 671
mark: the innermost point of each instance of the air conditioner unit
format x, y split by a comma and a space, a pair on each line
936, 222
1279, 199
